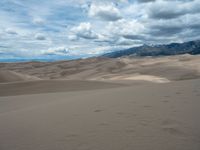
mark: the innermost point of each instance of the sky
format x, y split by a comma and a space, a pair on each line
68, 29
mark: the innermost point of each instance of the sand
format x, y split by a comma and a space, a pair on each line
150, 116
88, 114
11, 76
173, 68
49, 86
138, 77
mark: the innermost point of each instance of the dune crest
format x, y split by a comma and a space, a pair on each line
150, 78
158, 69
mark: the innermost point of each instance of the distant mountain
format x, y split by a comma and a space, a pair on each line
192, 47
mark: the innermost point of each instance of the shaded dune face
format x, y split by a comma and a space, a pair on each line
11, 76
152, 69
52, 86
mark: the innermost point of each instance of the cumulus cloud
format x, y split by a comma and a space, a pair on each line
11, 31
40, 36
57, 51
84, 30
122, 32
126, 28
107, 12
38, 21
72, 37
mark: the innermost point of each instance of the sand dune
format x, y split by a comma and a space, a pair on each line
52, 86
11, 76
101, 104
170, 68
139, 77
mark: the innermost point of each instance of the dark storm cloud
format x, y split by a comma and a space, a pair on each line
133, 37
165, 31
173, 9
165, 14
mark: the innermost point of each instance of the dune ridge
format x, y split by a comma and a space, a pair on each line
171, 68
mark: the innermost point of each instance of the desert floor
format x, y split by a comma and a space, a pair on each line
101, 104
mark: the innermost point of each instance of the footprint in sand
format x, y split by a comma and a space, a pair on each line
144, 123
178, 93
121, 113
70, 137
126, 115
130, 130
167, 96
198, 94
172, 127
195, 91
84, 147
98, 110
173, 130
168, 122
147, 106
133, 102
104, 124
165, 101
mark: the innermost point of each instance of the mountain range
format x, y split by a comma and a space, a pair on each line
191, 47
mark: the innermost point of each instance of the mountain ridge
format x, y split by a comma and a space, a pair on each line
191, 47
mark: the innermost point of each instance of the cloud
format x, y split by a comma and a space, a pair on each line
84, 30
125, 27
11, 31
56, 51
125, 41
133, 36
91, 25
40, 36
106, 12
168, 9
165, 10
146, 1
175, 26
165, 31
38, 21
72, 37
